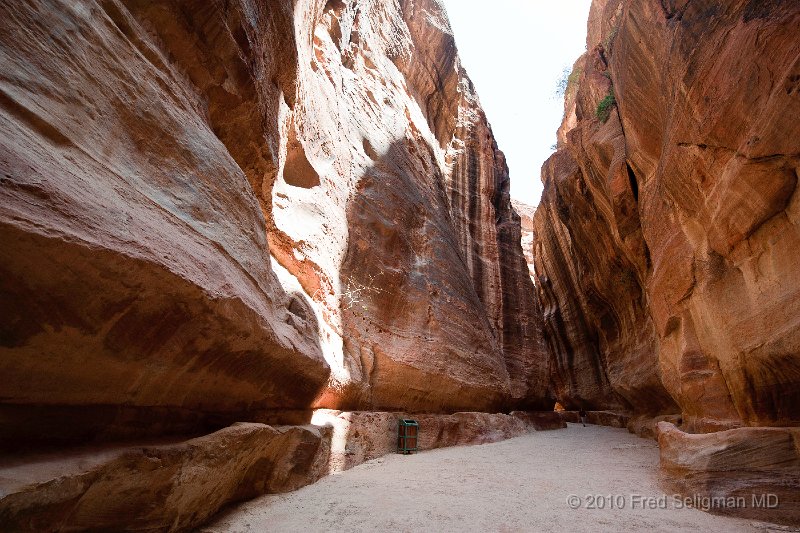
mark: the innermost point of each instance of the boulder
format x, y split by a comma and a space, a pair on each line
172, 487
751, 472
541, 420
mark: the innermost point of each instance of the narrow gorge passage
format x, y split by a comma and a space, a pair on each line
521, 484
245, 243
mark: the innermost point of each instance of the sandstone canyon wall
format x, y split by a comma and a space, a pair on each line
227, 211
667, 235
526, 213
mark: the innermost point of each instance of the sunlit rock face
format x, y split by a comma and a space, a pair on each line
212, 210
525, 213
668, 230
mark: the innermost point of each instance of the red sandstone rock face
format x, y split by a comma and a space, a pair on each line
171, 487
752, 464
667, 234
135, 265
432, 229
210, 211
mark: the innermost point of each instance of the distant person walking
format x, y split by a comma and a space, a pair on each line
582, 414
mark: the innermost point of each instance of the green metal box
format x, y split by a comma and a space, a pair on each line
407, 436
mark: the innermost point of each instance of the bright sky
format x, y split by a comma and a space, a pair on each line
515, 52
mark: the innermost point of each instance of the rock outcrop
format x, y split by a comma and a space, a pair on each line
667, 232
238, 211
747, 472
599, 418
161, 488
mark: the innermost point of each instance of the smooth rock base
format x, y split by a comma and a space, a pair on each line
176, 487
760, 466
170, 487
363, 435
599, 418
647, 426
541, 420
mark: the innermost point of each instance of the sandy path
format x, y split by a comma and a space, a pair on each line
520, 484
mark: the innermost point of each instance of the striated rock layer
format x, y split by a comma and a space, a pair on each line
747, 472
170, 487
224, 211
667, 233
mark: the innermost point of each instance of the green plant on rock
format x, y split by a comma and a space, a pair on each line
604, 107
608, 43
573, 77
568, 80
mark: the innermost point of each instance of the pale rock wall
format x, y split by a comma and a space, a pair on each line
526, 213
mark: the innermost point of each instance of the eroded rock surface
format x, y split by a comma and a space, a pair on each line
757, 470
223, 211
162, 488
668, 230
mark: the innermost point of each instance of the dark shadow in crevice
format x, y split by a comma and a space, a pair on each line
633, 183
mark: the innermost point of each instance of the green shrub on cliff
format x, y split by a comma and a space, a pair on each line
609, 40
604, 107
568, 80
